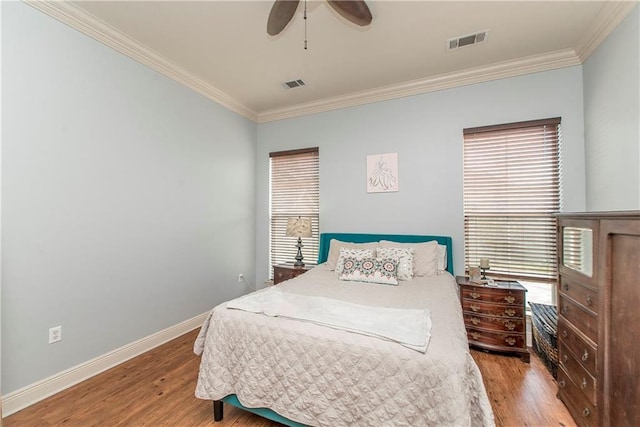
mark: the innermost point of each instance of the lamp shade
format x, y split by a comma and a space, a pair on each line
299, 227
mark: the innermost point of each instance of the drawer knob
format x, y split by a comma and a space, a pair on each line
564, 334
474, 295
561, 383
474, 307
565, 358
475, 320
510, 325
565, 309
585, 355
586, 412
566, 286
510, 312
589, 301
510, 340
474, 335
509, 299
584, 383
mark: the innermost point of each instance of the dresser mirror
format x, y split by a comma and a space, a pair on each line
577, 249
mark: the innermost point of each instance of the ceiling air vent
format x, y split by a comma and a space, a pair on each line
293, 84
467, 40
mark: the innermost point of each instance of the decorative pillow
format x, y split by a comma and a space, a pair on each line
372, 270
425, 256
442, 258
405, 260
354, 253
334, 250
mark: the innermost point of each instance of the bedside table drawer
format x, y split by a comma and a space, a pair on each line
497, 339
284, 272
493, 295
494, 323
492, 309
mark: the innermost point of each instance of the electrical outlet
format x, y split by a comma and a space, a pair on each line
55, 334
240, 277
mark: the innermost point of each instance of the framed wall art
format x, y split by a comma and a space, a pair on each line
382, 173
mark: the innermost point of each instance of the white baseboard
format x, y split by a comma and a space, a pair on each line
26, 396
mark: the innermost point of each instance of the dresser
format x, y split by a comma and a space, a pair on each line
282, 272
598, 316
494, 316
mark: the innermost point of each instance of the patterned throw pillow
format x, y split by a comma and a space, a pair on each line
405, 260
355, 253
372, 270
336, 245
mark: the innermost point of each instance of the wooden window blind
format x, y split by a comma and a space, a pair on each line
511, 193
294, 191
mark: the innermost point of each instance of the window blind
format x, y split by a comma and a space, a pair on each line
294, 191
511, 193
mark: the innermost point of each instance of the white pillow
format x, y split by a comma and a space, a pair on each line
334, 250
405, 260
442, 257
371, 270
353, 253
425, 256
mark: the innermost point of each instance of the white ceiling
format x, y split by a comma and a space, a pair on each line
221, 48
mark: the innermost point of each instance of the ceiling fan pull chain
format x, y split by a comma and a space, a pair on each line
305, 24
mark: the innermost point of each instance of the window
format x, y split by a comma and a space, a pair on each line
511, 193
294, 191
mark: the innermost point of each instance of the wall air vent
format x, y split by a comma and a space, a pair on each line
293, 84
468, 40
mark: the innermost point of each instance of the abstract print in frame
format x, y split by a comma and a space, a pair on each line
382, 173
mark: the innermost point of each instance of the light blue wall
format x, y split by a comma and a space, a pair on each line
426, 132
128, 201
612, 119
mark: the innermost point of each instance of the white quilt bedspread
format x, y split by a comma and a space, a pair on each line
407, 326
324, 376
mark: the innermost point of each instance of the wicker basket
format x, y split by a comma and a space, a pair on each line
544, 320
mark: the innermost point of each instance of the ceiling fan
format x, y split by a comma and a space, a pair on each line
282, 12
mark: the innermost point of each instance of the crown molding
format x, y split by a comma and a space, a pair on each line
501, 70
612, 13
77, 18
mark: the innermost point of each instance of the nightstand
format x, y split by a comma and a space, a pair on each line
494, 316
282, 272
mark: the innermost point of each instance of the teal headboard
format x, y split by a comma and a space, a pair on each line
325, 238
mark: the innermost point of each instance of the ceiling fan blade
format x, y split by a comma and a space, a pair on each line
355, 11
281, 13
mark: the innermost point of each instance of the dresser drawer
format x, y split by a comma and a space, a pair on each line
499, 339
578, 374
583, 412
585, 296
579, 316
494, 323
492, 309
584, 351
504, 296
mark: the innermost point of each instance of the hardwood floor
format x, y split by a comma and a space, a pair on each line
157, 389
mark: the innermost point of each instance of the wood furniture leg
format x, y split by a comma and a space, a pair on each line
217, 410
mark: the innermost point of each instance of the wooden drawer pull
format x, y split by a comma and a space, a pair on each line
584, 383
561, 383
566, 286
509, 299
510, 312
589, 301
565, 309
474, 307
510, 340
565, 358
474, 295
586, 412
475, 320
564, 334
585, 356
474, 335
510, 325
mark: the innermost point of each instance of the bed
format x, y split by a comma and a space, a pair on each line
300, 372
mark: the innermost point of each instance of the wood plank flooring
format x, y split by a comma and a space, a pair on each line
157, 389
